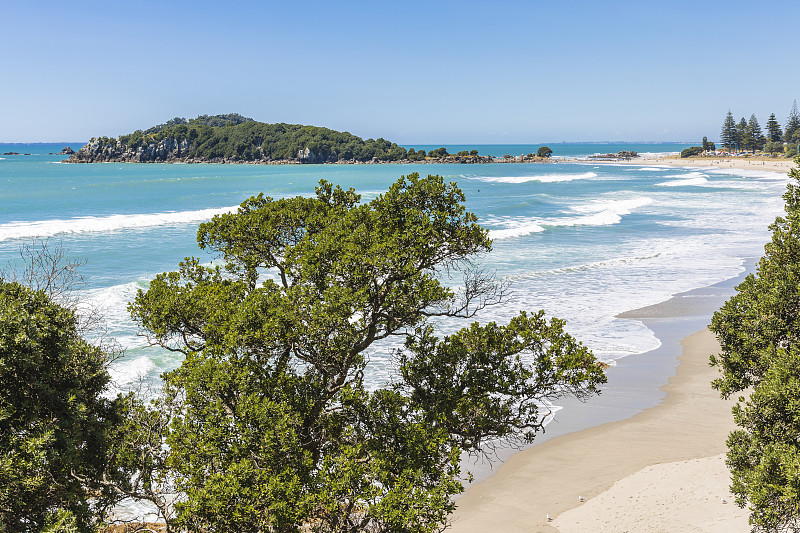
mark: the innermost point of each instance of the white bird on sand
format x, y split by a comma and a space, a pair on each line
581, 499
724, 500
549, 519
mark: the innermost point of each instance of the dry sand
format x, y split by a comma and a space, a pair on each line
692, 423
781, 166
648, 502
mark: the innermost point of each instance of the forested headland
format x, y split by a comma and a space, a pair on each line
233, 138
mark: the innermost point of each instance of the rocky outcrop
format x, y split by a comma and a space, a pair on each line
167, 150
615, 157
307, 156
66, 151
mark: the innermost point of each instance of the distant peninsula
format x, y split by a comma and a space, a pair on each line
233, 138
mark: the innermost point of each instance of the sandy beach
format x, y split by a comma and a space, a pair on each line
767, 164
660, 470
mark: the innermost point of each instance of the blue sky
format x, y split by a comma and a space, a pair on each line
412, 72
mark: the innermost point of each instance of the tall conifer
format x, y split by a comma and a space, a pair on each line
728, 134
742, 134
792, 124
755, 137
774, 132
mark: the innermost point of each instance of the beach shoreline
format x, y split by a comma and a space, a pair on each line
780, 166
675, 424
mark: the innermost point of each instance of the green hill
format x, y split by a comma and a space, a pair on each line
234, 138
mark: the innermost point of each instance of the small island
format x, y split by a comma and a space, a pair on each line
233, 138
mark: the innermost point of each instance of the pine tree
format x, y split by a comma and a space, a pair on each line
742, 134
728, 134
792, 124
774, 132
755, 137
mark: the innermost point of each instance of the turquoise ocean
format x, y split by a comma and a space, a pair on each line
581, 240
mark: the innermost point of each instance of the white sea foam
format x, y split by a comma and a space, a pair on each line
597, 213
103, 224
698, 182
688, 175
759, 174
517, 231
111, 304
604, 212
127, 372
647, 169
542, 178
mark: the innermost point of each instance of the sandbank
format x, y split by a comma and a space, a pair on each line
691, 423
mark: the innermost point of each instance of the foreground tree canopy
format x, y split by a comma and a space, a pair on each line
269, 424
759, 333
54, 420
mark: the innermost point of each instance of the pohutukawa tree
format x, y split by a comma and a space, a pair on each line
54, 418
272, 426
759, 334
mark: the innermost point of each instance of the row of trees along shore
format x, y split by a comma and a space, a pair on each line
747, 135
267, 425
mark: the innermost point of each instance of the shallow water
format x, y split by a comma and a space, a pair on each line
583, 241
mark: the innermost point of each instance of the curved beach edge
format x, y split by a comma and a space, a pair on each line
691, 423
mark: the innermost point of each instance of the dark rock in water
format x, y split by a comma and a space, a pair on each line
67, 151
26, 154
11, 153
625, 154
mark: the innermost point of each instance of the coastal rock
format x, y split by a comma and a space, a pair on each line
67, 151
624, 154
309, 156
111, 150
11, 153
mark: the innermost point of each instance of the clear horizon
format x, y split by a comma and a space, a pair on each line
511, 72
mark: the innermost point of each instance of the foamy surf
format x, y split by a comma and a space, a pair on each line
597, 213
542, 178
95, 224
519, 231
605, 212
689, 182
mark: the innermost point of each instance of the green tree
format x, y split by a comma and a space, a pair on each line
728, 134
774, 132
438, 152
774, 147
691, 151
53, 416
759, 334
743, 135
708, 146
544, 151
755, 136
273, 426
792, 124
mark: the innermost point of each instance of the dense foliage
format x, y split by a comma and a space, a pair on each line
691, 151
759, 334
270, 424
54, 420
238, 138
